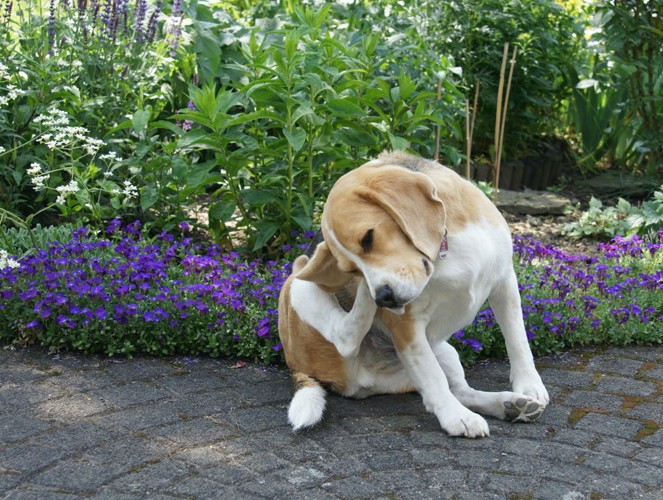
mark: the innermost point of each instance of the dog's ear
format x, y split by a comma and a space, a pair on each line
322, 269
411, 199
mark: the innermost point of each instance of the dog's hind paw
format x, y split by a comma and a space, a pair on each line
522, 409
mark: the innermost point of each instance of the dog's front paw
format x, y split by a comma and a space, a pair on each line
464, 423
522, 408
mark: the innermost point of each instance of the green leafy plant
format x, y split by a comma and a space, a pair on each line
622, 219
632, 36
93, 67
297, 104
548, 41
615, 110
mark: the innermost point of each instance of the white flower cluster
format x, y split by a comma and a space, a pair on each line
64, 191
12, 93
38, 177
130, 191
7, 261
4, 73
65, 135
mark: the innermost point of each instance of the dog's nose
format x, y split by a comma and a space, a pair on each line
384, 297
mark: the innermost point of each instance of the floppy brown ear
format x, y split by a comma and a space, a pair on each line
322, 269
411, 199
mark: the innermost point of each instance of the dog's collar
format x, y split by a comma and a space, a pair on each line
444, 246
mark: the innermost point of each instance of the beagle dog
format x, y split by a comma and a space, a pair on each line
411, 252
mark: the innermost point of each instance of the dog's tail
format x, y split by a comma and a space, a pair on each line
308, 403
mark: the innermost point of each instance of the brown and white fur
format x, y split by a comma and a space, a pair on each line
383, 226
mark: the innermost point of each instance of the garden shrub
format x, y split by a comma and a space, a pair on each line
260, 118
622, 219
615, 110
69, 78
548, 40
304, 100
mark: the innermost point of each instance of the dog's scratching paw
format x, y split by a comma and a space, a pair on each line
522, 409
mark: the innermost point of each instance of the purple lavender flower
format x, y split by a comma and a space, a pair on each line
139, 29
51, 26
7, 13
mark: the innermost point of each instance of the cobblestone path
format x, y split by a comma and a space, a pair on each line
75, 426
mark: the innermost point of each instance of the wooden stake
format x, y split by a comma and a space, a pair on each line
506, 105
498, 117
436, 155
469, 128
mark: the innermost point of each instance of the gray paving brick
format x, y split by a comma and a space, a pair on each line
626, 386
567, 378
615, 365
609, 425
594, 400
19, 426
649, 411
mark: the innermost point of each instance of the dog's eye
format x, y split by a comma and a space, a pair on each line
367, 241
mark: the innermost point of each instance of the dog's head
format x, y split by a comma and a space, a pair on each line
385, 223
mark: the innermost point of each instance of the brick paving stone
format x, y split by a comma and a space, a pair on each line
626, 386
594, 400
17, 426
567, 378
614, 364
653, 373
74, 426
609, 425
655, 439
617, 447
648, 411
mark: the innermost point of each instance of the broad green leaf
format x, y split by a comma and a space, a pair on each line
345, 107
586, 83
198, 173
140, 120
398, 143
222, 211
303, 221
265, 232
148, 197
255, 197
296, 138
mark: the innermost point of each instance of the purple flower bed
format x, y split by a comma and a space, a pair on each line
121, 294
124, 295
570, 300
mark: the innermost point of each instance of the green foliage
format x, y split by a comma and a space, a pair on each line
616, 107
622, 219
67, 83
294, 104
20, 241
548, 41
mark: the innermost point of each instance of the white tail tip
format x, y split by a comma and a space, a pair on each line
307, 407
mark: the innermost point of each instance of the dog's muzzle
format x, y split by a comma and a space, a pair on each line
384, 297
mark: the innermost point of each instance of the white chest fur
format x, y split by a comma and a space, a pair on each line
478, 258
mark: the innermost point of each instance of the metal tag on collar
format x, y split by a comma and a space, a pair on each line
444, 247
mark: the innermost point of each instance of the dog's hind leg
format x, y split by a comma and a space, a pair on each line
308, 403
504, 300
504, 405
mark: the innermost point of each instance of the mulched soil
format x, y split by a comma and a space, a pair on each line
549, 231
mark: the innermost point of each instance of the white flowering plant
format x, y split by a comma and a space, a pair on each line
70, 79
68, 172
